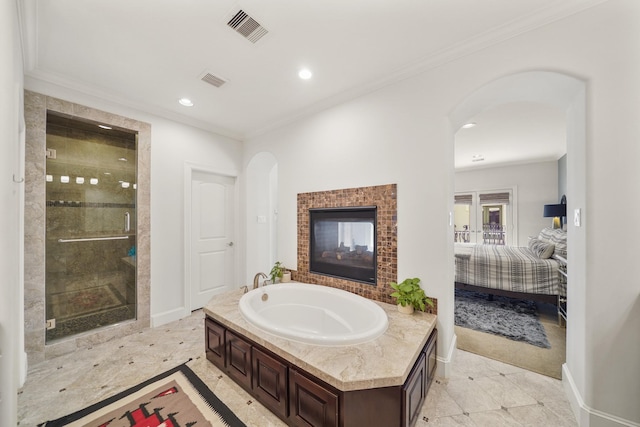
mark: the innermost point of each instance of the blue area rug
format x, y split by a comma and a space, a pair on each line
511, 318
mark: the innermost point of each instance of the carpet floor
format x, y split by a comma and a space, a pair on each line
545, 361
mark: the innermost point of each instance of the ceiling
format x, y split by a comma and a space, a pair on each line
147, 54
515, 133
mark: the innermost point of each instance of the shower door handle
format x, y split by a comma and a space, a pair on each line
93, 239
127, 222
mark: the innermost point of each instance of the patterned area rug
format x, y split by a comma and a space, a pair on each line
175, 398
508, 317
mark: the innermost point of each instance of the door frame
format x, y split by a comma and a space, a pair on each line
189, 170
512, 218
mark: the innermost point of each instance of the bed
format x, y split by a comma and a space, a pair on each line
529, 272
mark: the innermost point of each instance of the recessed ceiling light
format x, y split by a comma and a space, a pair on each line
105, 127
305, 74
186, 102
468, 125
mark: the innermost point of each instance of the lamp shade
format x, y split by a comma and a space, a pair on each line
554, 210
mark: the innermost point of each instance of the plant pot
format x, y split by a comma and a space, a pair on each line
286, 277
406, 309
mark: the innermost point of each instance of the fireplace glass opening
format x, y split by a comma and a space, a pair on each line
343, 243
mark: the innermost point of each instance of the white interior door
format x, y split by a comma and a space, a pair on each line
212, 239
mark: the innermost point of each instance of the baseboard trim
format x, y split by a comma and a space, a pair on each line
168, 316
587, 416
443, 367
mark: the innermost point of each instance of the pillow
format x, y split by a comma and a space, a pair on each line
557, 237
541, 249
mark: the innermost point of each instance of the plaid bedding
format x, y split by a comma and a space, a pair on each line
508, 268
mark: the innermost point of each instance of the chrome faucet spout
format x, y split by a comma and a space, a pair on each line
256, 280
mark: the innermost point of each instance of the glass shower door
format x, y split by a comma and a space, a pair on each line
90, 263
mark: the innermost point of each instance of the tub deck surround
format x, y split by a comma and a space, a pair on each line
383, 362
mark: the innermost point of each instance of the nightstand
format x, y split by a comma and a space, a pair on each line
562, 299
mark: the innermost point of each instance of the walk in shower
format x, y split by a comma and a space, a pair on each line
90, 249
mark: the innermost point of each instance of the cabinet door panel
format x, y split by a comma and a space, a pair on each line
270, 382
431, 358
414, 391
214, 337
311, 405
239, 359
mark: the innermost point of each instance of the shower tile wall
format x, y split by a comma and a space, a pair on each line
36, 107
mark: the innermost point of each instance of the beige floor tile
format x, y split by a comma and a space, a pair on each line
498, 418
439, 403
470, 396
504, 392
454, 421
473, 396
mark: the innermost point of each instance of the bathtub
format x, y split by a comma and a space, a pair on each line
313, 314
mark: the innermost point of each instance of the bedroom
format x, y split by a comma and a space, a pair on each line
523, 152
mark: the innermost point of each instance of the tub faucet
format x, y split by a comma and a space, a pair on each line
256, 280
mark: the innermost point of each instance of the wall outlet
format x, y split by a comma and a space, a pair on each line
51, 324
261, 219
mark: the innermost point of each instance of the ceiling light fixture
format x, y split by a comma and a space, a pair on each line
305, 74
469, 125
186, 102
105, 127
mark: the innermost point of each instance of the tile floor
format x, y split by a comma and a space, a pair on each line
480, 391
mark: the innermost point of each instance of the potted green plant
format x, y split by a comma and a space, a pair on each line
277, 271
410, 296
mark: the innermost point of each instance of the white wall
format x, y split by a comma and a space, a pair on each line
11, 197
261, 177
401, 134
536, 184
172, 145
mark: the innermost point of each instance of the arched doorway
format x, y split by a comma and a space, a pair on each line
567, 93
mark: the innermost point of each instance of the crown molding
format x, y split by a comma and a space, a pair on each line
44, 82
496, 35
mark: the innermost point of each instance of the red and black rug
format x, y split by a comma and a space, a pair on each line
176, 398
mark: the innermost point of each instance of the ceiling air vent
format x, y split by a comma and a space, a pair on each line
248, 27
212, 79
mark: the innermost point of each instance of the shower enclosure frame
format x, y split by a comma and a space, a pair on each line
36, 107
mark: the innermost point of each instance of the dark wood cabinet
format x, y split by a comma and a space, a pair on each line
239, 359
214, 337
431, 360
311, 404
414, 391
270, 382
301, 399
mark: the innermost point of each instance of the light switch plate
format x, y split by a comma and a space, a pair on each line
262, 219
577, 221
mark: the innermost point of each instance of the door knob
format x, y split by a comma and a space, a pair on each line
230, 244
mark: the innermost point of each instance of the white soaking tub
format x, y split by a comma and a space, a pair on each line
314, 314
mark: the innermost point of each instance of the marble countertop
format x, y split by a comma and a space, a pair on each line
383, 362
